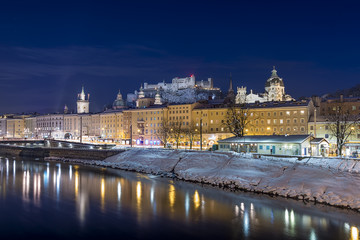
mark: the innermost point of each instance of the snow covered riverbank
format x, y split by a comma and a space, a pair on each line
325, 180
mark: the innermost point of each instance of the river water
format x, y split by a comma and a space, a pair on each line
51, 200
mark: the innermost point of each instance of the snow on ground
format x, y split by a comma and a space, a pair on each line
326, 180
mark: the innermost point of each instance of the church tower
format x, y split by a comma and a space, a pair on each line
83, 102
141, 93
274, 87
157, 98
241, 95
230, 97
66, 109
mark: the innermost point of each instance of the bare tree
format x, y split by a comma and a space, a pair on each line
237, 119
176, 131
341, 125
191, 133
164, 132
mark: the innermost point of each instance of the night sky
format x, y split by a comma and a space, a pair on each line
49, 49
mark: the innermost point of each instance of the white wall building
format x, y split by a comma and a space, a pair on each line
3, 127
274, 91
50, 126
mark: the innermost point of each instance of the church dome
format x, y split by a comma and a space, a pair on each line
274, 79
119, 102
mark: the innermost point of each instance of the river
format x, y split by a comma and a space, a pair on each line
51, 200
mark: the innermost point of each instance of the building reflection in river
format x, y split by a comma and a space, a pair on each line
146, 197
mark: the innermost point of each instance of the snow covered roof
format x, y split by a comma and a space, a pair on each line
147, 108
272, 104
267, 139
112, 111
318, 140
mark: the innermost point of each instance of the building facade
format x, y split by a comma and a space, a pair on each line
50, 126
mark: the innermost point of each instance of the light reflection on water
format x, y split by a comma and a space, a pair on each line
81, 196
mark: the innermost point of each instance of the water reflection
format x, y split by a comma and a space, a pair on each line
172, 196
144, 199
196, 199
354, 233
102, 194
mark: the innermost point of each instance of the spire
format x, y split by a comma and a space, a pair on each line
230, 87
82, 94
230, 98
119, 95
66, 109
274, 73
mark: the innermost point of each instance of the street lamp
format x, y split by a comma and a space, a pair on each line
201, 131
131, 143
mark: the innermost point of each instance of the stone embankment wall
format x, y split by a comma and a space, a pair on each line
73, 153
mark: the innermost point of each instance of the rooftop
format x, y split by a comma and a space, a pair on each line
267, 139
272, 104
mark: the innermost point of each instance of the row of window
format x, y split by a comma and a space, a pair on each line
151, 119
142, 113
176, 112
47, 124
178, 117
281, 121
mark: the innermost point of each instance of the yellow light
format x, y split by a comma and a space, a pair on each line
172, 195
196, 199
76, 183
102, 188
138, 191
354, 233
268, 128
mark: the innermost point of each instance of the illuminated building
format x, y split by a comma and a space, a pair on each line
274, 91
111, 125
83, 102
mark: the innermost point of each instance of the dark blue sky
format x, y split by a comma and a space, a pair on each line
48, 49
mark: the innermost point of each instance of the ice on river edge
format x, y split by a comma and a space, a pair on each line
326, 180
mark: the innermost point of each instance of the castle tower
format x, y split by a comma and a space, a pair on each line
83, 102
192, 80
274, 87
